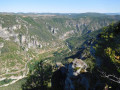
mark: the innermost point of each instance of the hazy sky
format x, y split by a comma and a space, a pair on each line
60, 6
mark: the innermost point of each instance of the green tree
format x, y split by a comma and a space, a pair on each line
40, 78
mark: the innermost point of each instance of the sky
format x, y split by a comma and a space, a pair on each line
60, 6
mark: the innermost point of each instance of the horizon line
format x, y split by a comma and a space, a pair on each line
59, 12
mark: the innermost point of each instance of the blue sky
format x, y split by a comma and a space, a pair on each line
60, 6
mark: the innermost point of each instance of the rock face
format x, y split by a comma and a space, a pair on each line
52, 29
58, 79
66, 76
1, 44
78, 65
85, 23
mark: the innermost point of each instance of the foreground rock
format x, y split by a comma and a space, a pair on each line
70, 75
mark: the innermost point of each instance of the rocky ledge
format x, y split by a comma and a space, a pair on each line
69, 75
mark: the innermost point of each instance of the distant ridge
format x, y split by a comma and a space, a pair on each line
50, 13
112, 13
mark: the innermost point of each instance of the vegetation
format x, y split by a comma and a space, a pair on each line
15, 86
108, 49
77, 42
40, 78
5, 81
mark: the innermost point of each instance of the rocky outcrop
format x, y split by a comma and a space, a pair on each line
1, 44
66, 76
53, 30
87, 24
66, 35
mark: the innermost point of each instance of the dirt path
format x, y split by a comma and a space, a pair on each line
26, 70
17, 78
